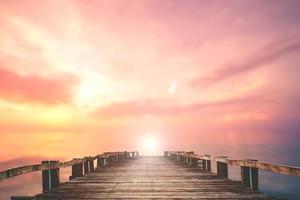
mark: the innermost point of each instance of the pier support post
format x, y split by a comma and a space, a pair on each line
101, 162
166, 154
77, 171
222, 169
50, 178
185, 159
91, 165
249, 177
194, 162
189, 161
206, 165
177, 157
86, 166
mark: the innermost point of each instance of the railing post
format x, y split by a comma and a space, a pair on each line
50, 178
222, 169
77, 171
86, 166
186, 158
166, 154
91, 165
249, 176
195, 162
189, 161
101, 161
206, 165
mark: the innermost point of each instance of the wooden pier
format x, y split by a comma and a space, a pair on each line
126, 175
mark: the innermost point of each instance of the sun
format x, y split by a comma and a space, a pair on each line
150, 145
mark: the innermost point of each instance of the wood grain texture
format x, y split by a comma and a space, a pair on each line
150, 178
40, 167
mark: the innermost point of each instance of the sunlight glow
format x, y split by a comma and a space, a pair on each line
172, 88
93, 91
150, 145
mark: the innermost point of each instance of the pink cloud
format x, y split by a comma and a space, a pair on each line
268, 54
34, 88
161, 107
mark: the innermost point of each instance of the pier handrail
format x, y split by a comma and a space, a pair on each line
249, 167
9, 173
276, 168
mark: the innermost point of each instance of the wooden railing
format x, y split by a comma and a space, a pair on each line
80, 166
249, 167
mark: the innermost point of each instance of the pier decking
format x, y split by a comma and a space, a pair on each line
150, 178
126, 175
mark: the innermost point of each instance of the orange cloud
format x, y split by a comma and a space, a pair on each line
161, 107
34, 88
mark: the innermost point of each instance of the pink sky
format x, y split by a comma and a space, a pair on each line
81, 78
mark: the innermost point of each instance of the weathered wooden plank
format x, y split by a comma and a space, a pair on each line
280, 169
41, 167
276, 168
151, 178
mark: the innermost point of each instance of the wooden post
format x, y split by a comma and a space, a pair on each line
98, 161
166, 154
208, 165
204, 165
186, 158
50, 178
194, 162
222, 169
86, 166
77, 171
101, 162
189, 161
91, 165
249, 177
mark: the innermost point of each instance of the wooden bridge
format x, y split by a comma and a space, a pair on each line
126, 175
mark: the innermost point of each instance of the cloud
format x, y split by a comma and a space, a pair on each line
161, 107
266, 55
34, 88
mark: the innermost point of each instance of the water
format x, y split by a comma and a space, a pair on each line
276, 185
